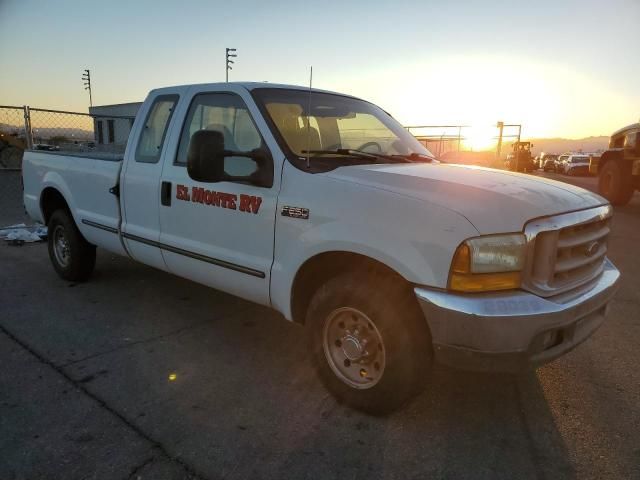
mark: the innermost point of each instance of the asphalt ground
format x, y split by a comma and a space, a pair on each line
138, 374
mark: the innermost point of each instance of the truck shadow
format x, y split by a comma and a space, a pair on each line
465, 425
252, 398
246, 402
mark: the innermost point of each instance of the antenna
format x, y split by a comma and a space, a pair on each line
308, 110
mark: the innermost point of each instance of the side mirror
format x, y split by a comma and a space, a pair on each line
206, 160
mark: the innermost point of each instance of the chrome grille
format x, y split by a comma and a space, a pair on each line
566, 251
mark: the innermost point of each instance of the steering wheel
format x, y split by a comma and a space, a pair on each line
364, 146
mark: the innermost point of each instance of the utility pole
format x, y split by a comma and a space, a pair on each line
230, 53
500, 126
86, 78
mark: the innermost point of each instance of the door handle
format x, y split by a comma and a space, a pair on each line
165, 194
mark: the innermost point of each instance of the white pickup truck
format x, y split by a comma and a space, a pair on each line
321, 206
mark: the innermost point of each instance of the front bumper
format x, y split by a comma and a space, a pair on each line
516, 330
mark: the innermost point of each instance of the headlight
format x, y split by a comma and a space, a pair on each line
488, 263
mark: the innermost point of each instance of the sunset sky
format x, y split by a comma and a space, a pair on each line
561, 68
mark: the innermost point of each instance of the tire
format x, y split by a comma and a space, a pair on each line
375, 308
615, 182
73, 258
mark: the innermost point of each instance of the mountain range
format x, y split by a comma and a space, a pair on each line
561, 145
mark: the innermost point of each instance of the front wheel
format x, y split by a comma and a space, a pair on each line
73, 258
370, 342
615, 182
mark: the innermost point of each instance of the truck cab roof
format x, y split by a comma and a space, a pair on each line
633, 126
247, 85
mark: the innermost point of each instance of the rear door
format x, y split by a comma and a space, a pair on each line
220, 234
140, 185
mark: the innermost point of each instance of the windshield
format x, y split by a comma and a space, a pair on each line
579, 159
328, 122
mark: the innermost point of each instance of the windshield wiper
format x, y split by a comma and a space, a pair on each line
361, 154
413, 156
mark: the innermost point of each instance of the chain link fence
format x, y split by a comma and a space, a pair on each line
441, 139
484, 146
13, 136
24, 127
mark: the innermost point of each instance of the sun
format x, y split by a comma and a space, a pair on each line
480, 138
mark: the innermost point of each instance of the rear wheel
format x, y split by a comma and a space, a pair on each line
616, 182
370, 343
73, 258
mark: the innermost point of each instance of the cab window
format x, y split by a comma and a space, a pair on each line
154, 130
226, 113
617, 142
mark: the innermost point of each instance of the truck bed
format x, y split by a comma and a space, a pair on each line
84, 181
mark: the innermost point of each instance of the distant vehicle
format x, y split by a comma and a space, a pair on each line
537, 161
45, 147
390, 259
576, 165
560, 161
548, 161
619, 167
520, 160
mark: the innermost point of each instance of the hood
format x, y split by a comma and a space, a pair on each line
492, 200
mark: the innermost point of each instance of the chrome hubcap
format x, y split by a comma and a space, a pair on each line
61, 246
353, 347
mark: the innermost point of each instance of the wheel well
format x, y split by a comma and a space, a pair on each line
50, 201
319, 269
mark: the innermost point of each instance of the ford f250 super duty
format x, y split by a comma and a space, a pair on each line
323, 207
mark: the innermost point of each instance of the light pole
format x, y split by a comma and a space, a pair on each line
86, 78
500, 126
230, 53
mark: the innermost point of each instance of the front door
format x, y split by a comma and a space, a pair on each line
219, 234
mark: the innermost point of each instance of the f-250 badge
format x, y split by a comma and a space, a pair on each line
246, 203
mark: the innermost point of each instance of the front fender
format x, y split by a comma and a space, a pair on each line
412, 237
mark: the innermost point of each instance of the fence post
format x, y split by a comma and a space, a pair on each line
27, 127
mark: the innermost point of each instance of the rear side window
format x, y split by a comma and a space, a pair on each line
617, 142
154, 130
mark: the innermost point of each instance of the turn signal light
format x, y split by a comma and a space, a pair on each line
461, 260
484, 282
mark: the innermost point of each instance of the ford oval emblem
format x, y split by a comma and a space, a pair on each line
592, 249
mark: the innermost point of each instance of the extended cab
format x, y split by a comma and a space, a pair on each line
323, 207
